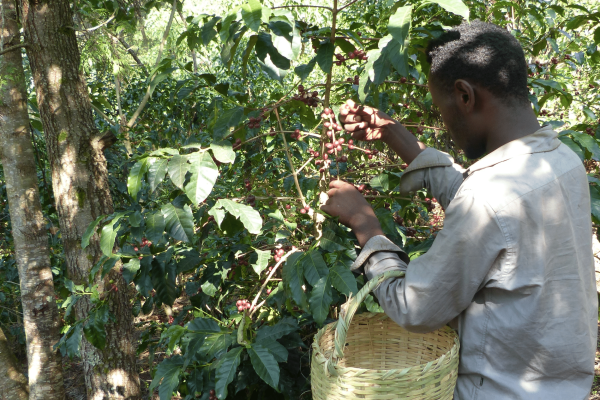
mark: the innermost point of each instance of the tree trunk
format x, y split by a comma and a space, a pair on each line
80, 184
13, 384
40, 315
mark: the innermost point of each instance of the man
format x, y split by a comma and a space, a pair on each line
512, 270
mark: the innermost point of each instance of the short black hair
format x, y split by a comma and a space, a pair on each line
483, 53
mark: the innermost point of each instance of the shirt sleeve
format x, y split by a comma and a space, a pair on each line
440, 284
436, 171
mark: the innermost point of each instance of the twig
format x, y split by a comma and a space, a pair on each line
303, 6
347, 5
139, 110
407, 83
98, 26
101, 113
299, 169
289, 157
18, 46
283, 258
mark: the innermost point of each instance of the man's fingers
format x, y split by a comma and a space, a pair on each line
352, 118
356, 126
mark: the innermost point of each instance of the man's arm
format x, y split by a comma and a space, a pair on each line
442, 283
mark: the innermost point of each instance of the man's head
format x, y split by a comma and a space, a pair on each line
476, 69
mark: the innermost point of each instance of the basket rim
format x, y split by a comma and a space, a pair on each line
318, 352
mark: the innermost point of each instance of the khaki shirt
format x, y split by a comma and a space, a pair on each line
512, 270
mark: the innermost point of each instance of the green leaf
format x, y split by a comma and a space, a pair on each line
136, 176
597, 35
89, 232
277, 349
314, 267
246, 214
131, 269
157, 170
304, 70
249, 47
262, 261
384, 182
179, 222
94, 329
570, 143
252, 13
320, 299
107, 238
203, 325
284, 327
73, 342
215, 344
223, 151
293, 277
178, 166
227, 370
264, 364
588, 142
454, 6
268, 54
155, 226
394, 53
204, 175
589, 113
163, 280
400, 22
342, 278
595, 201
208, 32
325, 56
168, 372
227, 120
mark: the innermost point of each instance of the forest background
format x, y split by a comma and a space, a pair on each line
163, 163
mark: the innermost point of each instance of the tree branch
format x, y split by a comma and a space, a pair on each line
289, 157
18, 46
304, 6
347, 5
144, 101
131, 52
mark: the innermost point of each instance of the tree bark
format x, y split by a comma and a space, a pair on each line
40, 315
81, 190
13, 384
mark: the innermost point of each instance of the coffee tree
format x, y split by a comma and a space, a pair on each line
221, 209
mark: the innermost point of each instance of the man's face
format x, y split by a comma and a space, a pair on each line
463, 129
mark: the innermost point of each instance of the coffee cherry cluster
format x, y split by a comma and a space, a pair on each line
355, 80
278, 253
243, 305
254, 122
590, 131
251, 200
305, 209
297, 135
358, 54
212, 395
247, 184
310, 99
237, 144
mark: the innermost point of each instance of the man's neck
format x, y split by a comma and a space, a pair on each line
510, 123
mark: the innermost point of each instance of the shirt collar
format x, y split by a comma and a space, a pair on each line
543, 140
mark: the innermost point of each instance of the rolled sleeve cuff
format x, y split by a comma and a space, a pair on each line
383, 261
430, 158
376, 244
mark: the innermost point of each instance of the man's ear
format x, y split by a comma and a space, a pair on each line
464, 94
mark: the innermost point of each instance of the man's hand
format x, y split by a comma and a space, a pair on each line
365, 123
346, 202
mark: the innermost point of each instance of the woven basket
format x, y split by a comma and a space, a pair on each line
371, 357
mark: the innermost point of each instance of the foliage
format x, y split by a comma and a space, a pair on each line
208, 208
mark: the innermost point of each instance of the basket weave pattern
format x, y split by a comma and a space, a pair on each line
374, 358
